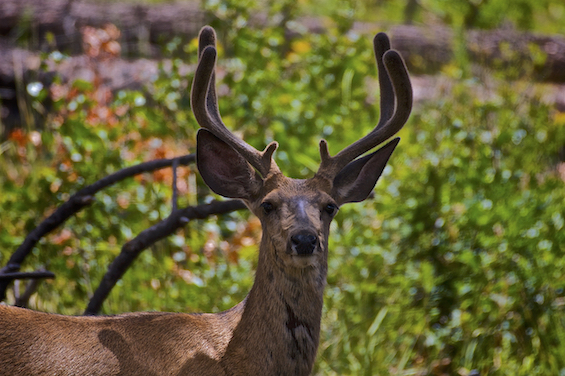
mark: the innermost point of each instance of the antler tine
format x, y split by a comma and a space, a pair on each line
381, 44
207, 38
396, 104
205, 107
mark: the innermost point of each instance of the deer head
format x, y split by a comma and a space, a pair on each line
296, 214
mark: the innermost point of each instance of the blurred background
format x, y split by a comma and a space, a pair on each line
454, 267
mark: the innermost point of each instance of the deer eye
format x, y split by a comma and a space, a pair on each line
331, 209
267, 207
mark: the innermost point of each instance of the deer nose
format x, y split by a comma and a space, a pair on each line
304, 243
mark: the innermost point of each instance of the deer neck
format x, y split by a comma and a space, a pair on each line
279, 328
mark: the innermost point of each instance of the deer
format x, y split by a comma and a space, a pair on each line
275, 330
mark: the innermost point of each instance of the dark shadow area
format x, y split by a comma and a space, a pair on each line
199, 365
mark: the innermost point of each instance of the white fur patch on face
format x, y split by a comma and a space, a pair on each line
301, 208
304, 261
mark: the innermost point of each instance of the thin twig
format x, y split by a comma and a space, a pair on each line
76, 202
175, 190
23, 299
148, 237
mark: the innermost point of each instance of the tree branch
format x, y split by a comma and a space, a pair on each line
77, 202
26, 275
178, 218
23, 299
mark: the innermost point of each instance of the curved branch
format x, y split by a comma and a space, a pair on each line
77, 202
178, 218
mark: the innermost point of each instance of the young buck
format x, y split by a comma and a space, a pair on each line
276, 329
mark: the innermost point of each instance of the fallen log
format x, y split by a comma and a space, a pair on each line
57, 23
428, 49
144, 27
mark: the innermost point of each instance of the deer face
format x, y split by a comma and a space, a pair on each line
296, 216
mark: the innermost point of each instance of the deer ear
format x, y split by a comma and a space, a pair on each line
223, 169
355, 181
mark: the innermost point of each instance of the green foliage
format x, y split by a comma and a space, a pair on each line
485, 14
455, 264
545, 16
459, 257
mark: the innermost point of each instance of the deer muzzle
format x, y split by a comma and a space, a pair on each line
304, 243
